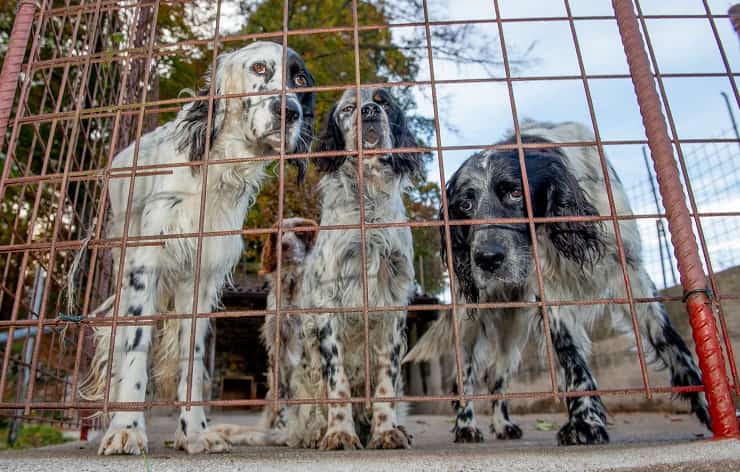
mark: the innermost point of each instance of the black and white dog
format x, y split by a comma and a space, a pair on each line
334, 342
579, 260
296, 246
161, 278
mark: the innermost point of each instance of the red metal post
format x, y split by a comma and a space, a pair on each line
693, 279
13, 61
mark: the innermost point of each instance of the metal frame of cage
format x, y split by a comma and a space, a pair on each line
704, 301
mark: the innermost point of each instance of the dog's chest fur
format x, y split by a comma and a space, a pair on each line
333, 278
173, 205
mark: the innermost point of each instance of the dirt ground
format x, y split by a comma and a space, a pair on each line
640, 442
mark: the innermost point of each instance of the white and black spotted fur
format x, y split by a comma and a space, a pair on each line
334, 342
296, 246
157, 278
494, 263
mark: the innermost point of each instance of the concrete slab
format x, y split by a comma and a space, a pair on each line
640, 442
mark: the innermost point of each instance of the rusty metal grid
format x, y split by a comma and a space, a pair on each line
51, 225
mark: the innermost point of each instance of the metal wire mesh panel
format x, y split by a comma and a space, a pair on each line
155, 164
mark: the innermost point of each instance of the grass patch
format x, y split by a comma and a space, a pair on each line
33, 436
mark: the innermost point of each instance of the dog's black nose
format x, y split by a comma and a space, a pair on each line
292, 110
370, 111
490, 258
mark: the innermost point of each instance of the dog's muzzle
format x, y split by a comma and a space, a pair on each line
292, 110
489, 257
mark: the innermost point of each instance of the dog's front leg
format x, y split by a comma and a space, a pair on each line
387, 346
192, 433
586, 415
127, 431
501, 424
340, 433
466, 426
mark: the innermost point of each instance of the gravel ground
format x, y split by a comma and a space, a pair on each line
640, 442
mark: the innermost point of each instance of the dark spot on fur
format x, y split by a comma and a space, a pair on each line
135, 278
184, 426
137, 338
325, 332
135, 310
465, 415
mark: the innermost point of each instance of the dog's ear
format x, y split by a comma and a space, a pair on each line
305, 139
330, 139
580, 241
268, 262
192, 129
460, 248
404, 163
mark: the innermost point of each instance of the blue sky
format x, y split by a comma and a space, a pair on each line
482, 113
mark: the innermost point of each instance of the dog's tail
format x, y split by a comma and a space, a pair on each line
92, 387
166, 359
252, 436
436, 342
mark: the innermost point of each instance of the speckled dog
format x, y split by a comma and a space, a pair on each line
334, 342
579, 261
296, 246
157, 278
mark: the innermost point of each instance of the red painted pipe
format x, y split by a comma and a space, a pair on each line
693, 279
13, 60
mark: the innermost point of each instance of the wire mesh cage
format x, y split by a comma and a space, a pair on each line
151, 150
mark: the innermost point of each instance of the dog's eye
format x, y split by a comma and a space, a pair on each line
515, 195
348, 108
300, 80
466, 205
259, 68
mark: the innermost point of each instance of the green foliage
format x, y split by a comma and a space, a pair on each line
33, 436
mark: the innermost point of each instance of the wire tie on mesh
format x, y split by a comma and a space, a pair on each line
70, 318
706, 291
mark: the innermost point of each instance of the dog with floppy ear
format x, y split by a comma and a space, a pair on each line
160, 277
334, 279
296, 246
579, 261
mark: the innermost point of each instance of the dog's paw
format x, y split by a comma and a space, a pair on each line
396, 438
339, 440
509, 431
468, 434
119, 440
208, 442
409, 436
577, 432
